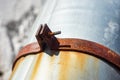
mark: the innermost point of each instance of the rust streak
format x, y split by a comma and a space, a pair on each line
16, 66
36, 66
81, 61
77, 45
64, 65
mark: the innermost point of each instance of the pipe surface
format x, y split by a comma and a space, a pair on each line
93, 20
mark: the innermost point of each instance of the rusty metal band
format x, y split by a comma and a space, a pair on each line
78, 45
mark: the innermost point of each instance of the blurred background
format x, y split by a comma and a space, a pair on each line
16, 20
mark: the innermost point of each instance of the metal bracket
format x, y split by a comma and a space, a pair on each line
45, 37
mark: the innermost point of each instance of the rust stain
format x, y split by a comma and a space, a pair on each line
36, 66
96, 63
81, 61
16, 66
72, 63
52, 58
69, 64
96, 68
64, 65
51, 65
78, 45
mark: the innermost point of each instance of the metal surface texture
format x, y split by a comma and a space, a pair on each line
66, 47
77, 45
62, 65
97, 21
45, 40
90, 22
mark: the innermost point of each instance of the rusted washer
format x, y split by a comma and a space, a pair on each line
79, 45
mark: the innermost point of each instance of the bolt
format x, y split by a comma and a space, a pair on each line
54, 33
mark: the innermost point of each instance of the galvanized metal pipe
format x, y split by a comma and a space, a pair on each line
92, 20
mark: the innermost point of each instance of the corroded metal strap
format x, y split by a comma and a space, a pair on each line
78, 45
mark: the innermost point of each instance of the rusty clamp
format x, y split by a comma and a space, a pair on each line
46, 39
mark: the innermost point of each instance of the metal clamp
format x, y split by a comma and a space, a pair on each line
45, 37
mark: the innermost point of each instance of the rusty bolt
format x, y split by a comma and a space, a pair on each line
54, 33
